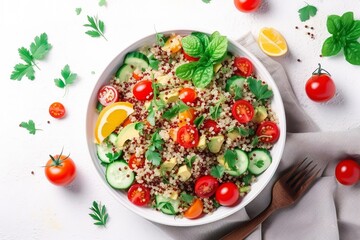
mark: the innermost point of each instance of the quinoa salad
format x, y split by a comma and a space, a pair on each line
185, 126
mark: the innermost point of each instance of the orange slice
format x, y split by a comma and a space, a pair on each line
272, 42
110, 118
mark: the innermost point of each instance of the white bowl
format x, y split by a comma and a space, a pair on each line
222, 212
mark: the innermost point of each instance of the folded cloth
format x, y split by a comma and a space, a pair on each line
327, 211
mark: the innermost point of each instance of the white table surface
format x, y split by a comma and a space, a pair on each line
32, 208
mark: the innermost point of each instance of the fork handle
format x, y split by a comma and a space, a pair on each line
245, 230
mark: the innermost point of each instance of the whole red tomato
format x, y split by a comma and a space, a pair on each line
247, 5
320, 87
60, 170
347, 172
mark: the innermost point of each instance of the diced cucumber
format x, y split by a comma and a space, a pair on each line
259, 161
241, 164
99, 107
112, 138
119, 175
167, 205
102, 150
233, 82
137, 60
124, 72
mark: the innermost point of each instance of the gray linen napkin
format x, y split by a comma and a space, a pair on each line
328, 211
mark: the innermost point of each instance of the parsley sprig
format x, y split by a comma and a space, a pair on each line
68, 77
215, 111
230, 158
97, 25
99, 214
217, 171
38, 50
154, 103
177, 108
30, 126
260, 90
306, 12
152, 154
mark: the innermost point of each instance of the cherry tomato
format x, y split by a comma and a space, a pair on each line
347, 172
60, 170
320, 87
244, 67
243, 111
268, 132
195, 210
247, 5
187, 95
57, 110
227, 194
209, 123
186, 117
143, 90
139, 195
107, 95
188, 136
188, 57
206, 186
136, 162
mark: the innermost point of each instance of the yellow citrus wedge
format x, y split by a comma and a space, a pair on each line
272, 42
110, 118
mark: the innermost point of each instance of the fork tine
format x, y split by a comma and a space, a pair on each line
307, 184
301, 170
290, 172
301, 180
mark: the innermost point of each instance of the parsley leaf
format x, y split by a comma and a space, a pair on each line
153, 157
26, 55
187, 198
102, 3
245, 132
260, 90
99, 214
217, 171
151, 114
78, 11
160, 39
21, 70
175, 110
40, 47
112, 156
97, 25
255, 141
190, 161
167, 206
230, 157
216, 110
206, 1
247, 179
68, 77
30, 126
259, 163
153, 62
140, 127
238, 92
306, 12
156, 144
199, 121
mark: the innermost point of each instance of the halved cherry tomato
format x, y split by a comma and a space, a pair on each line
206, 186
268, 132
187, 95
143, 90
57, 110
186, 117
136, 76
195, 210
60, 170
188, 57
227, 194
188, 136
244, 67
126, 122
139, 195
243, 111
136, 162
209, 123
347, 172
107, 95
247, 5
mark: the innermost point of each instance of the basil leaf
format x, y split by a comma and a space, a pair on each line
182, 106
354, 31
347, 20
204, 39
217, 48
352, 53
214, 35
198, 121
192, 46
203, 76
186, 71
215, 111
330, 47
334, 24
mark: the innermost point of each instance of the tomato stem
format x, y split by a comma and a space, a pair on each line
58, 161
319, 70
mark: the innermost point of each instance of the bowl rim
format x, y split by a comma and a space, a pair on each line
200, 221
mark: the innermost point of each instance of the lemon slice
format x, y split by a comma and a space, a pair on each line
272, 42
110, 118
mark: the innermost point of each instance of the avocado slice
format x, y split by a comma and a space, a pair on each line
260, 114
168, 165
184, 173
233, 135
202, 143
170, 96
127, 133
215, 143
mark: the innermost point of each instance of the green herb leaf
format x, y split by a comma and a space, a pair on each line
78, 11
40, 47
112, 156
157, 141
175, 110
354, 32
334, 24
199, 121
214, 35
206, 1
139, 126
151, 115
255, 141
306, 12
25, 55
190, 161
98, 27
186, 71
330, 47
260, 90
153, 62
99, 214
238, 92
259, 163
217, 48
245, 132
203, 76
247, 179
102, 3
59, 83
352, 53
21, 70
217, 171
230, 157
166, 205
68, 77
30, 126
153, 157
204, 38
215, 111
160, 39
216, 204
192, 46
187, 198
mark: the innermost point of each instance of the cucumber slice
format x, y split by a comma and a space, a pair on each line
167, 205
241, 164
137, 60
259, 161
112, 138
234, 81
101, 151
124, 72
119, 175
